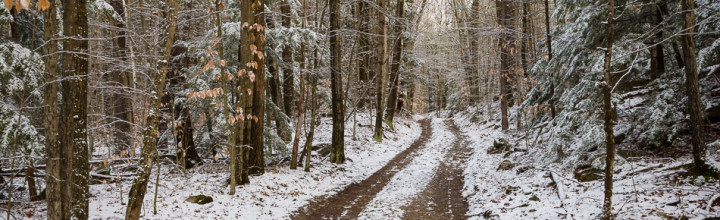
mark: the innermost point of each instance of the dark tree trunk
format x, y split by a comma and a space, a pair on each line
365, 69
608, 116
74, 108
32, 187
395, 67
694, 104
287, 56
54, 152
337, 155
313, 116
185, 139
678, 55
257, 158
122, 105
548, 43
13, 24
507, 22
657, 60
381, 48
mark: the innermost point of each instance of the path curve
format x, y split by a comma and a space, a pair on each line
440, 199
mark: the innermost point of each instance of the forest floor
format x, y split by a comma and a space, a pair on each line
520, 184
423, 182
427, 168
273, 195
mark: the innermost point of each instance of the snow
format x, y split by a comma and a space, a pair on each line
273, 195
410, 182
644, 188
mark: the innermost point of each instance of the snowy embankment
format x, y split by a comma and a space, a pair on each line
645, 188
411, 181
273, 195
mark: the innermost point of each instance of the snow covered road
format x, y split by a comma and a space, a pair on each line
424, 181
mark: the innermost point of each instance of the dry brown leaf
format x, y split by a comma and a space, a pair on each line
8, 4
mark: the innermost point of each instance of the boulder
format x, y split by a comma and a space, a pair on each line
587, 173
499, 146
199, 199
506, 165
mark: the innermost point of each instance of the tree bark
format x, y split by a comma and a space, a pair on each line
229, 117
607, 101
381, 48
73, 139
365, 69
506, 21
337, 155
657, 61
695, 109
257, 153
287, 56
301, 102
54, 152
151, 132
395, 67
313, 116
548, 43
122, 106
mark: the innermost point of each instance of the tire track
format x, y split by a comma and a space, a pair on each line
348, 203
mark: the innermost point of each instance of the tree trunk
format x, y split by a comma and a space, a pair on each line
381, 48
506, 21
607, 100
287, 56
365, 69
695, 109
548, 43
13, 24
151, 132
229, 117
32, 187
275, 93
395, 67
657, 59
54, 152
74, 93
313, 116
122, 105
301, 102
337, 155
185, 139
257, 158
474, 55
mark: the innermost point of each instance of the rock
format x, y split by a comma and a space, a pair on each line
499, 146
199, 199
506, 165
587, 173
534, 198
324, 149
511, 189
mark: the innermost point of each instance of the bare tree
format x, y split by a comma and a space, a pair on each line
337, 154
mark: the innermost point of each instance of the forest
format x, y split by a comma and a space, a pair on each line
360, 109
